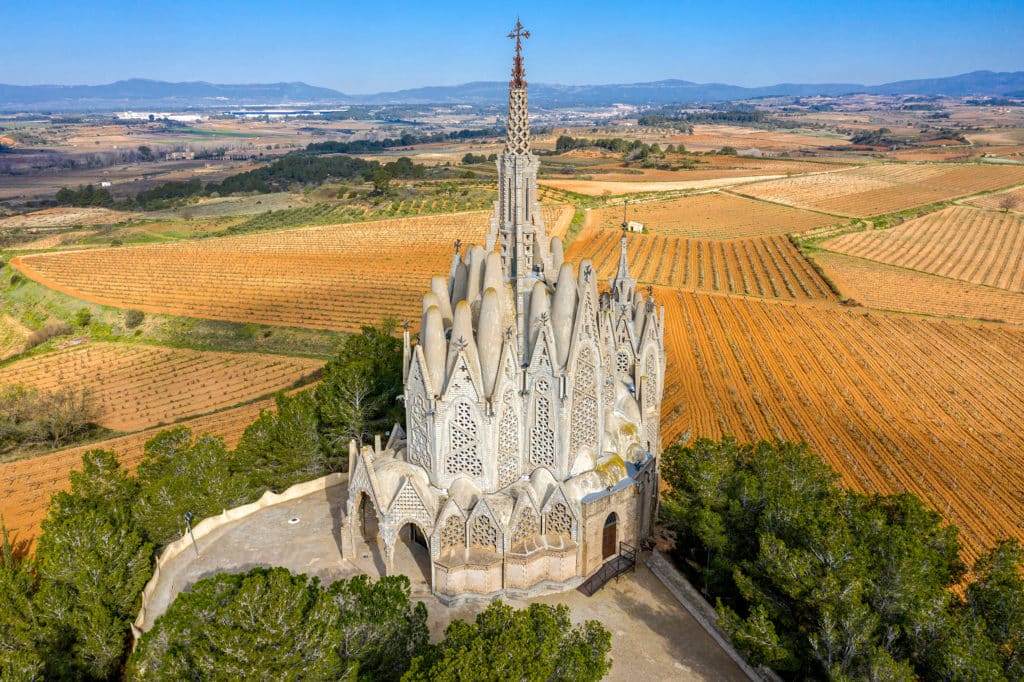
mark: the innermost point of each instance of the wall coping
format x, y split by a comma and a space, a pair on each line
703, 613
213, 523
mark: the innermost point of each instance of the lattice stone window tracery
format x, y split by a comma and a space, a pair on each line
418, 438
583, 427
559, 520
453, 534
508, 442
542, 438
527, 525
651, 385
407, 505
484, 533
622, 362
464, 455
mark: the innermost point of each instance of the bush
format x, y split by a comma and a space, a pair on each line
49, 331
83, 316
31, 416
133, 318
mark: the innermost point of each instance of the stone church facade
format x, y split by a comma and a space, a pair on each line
533, 401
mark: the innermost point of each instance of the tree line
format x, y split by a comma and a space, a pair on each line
819, 582
65, 614
277, 176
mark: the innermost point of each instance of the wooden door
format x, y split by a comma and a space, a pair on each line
609, 539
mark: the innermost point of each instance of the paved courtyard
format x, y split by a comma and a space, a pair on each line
653, 636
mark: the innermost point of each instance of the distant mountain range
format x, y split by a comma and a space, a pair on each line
150, 94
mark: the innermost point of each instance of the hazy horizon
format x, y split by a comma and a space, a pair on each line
370, 49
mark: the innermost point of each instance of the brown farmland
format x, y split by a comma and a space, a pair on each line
758, 266
338, 277
27, 484
887, 287
864, 389
714, 215
135, 386
984, 247
884, 188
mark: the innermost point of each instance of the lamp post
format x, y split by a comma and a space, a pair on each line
188, 524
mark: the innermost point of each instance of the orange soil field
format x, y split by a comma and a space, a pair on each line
136, 386
758, 266
338, 277
983, 247
714, 215
864, 389
693, 180
888, 287
711, 137
884, 188
27, 484
992, 201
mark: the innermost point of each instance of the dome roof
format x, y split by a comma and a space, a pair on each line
464, 492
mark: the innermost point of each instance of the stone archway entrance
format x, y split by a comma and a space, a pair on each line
610, 537
412, 556
369, 529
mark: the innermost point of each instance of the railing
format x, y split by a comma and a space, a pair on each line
624, 561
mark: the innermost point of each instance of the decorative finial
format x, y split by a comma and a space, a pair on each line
518, 33
650, 290
625, 223
405, 325
458, 246
587, 272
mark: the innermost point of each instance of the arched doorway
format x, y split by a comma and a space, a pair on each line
367, 518
609, 539
412, 556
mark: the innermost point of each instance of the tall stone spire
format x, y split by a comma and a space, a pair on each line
623, 286
517, 135
517, 219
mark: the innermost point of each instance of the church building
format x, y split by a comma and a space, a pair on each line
533, 400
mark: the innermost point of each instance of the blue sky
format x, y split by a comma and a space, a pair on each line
360, 47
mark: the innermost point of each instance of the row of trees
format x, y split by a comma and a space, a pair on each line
66, 614
278, 176
820, 582
29, 416
269, 624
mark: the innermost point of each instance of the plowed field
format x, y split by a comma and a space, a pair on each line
873, 190
714, 215
759, 266
892, 402
135, 387
984, 247
995, 201
339, 277
27, 484
888, 287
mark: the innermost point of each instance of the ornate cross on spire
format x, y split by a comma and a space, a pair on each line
517, 63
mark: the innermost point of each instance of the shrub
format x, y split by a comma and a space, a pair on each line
83, 316
133, 318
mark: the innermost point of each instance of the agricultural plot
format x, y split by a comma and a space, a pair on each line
339, 277
12, 337
864, 390
887, 287
27, 484
714, 215
884, 188
983, 247
135, 387
1007, 200
766, 267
